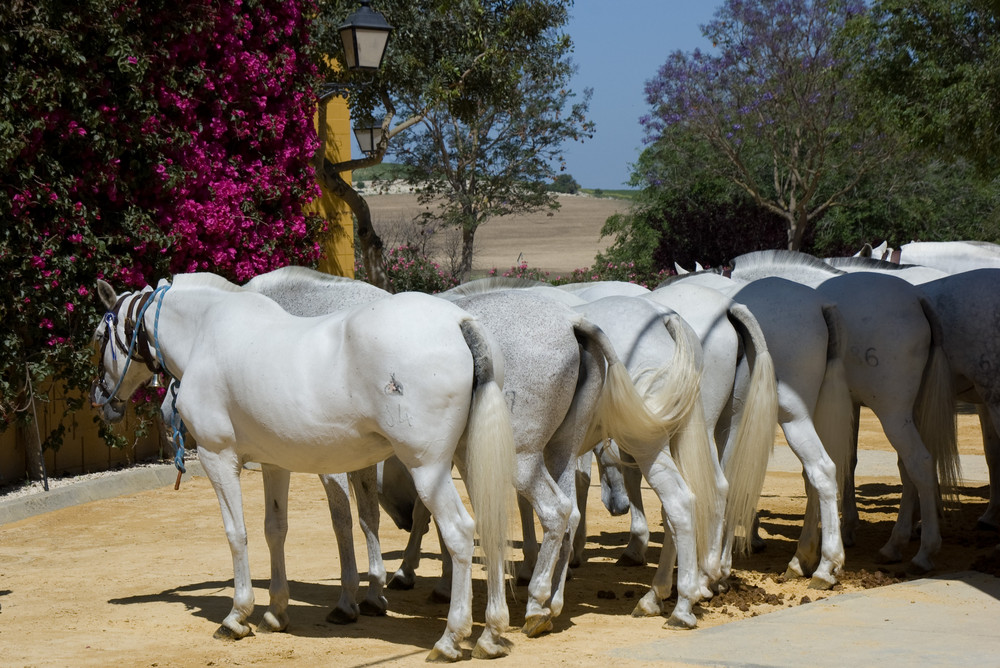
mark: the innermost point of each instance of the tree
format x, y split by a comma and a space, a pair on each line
935, 70
564, 183
498, 160
774, 100
452, 58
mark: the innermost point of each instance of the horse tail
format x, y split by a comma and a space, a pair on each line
664, 403
935, 410
834, 415
645, 411
745, 465
489, 455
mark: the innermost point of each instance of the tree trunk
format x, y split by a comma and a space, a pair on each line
27, 432
372, 248
468, 240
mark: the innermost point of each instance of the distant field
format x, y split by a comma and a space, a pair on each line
558, 243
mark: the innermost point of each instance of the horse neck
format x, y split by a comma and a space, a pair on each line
172, 321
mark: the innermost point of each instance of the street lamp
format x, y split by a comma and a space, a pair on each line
365, 35
368, 137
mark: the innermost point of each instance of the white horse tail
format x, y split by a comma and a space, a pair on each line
693, 454
746, 463
834, 415
643, 413
935, 413
489, 454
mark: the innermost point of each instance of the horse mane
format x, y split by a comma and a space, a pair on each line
491, 284
782, 258
293, 274
204, 279
676, 278
866, 263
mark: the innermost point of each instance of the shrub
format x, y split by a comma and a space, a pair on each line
409, 270
141, 139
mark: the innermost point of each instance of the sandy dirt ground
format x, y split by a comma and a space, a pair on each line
145, 580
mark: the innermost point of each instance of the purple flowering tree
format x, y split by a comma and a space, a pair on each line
774, 100
142, 139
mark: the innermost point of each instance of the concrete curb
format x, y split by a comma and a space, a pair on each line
129, 481
948, 622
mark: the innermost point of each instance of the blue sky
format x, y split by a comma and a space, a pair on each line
618, 46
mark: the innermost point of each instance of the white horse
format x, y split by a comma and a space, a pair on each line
307, 293
722, 328
967, 304
805, 337
950, 256
328, 394
896, 367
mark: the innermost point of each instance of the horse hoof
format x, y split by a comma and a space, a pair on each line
369, 609
629, 560
271, 624
757, 545
400, 584
792, 574
439, 597
340, 617
536, 626
226, 633
443, 654
823, 584
722, 586
491, 649
916, 568
676, 621
882, 558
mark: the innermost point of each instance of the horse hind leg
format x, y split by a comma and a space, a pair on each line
364, 483
276, 481
989, 417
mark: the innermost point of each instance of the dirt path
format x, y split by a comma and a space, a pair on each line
146, 579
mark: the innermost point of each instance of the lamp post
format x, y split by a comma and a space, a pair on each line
365, 34
368, 137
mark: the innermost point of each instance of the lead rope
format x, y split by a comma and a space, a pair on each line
176, 423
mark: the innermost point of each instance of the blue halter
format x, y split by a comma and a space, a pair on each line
176, 423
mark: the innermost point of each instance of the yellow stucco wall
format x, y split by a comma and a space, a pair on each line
334, 124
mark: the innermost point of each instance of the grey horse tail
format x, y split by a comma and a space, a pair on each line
935, 412
482, 356
837, 346
595, 341
749, 330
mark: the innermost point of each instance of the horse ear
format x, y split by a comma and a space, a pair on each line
866, 251
106, 293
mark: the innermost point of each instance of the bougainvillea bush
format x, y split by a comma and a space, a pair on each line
140, 139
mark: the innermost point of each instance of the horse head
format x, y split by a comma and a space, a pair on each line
122, 340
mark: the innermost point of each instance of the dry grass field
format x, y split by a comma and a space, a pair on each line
557, 242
